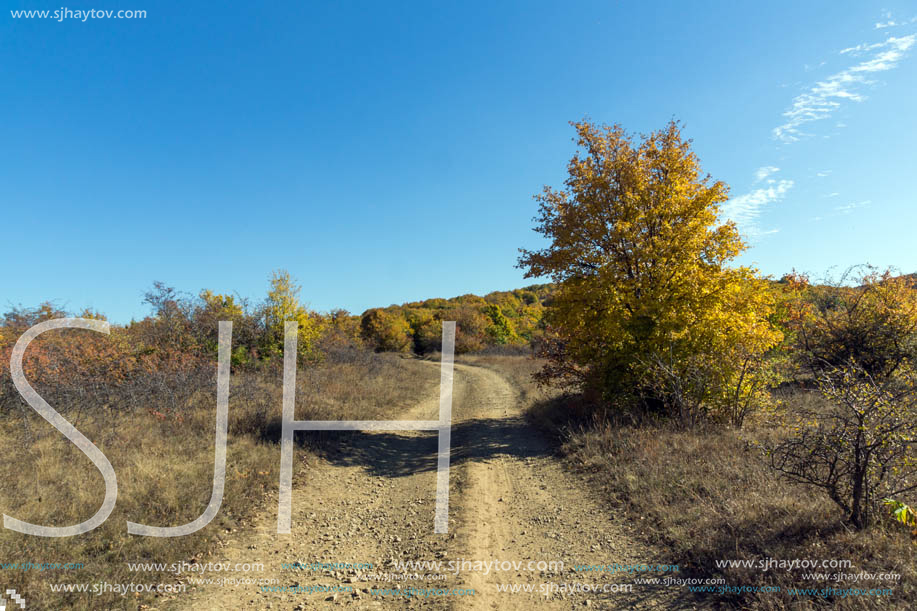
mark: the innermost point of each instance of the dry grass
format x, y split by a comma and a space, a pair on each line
707, 495
164, 465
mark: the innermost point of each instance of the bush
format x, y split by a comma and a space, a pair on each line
866, 317
385, 331
859, 449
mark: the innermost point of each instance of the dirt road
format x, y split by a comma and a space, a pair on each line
372, 500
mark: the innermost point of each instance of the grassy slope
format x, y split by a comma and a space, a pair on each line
165, 470
706, 495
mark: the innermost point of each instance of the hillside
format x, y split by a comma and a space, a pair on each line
500, 318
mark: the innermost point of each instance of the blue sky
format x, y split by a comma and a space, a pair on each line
388, 152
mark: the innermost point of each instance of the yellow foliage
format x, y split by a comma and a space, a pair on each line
282, 304
640, 257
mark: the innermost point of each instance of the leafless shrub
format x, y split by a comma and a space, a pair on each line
859, 449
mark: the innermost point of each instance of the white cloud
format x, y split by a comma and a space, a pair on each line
823, 98
847, 209
841, 210
823, 173
892, 23
835, 194
746, 209
765, 171
860, 49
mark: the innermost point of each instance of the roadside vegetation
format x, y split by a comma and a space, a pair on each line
731, 416
146, 396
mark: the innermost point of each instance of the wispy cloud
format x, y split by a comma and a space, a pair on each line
860, 49
745, 209
823, 98
891, 23
848, 208
765, 171
818, 101
842, 210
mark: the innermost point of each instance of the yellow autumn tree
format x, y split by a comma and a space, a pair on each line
384, 330
647, 310
282, 304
